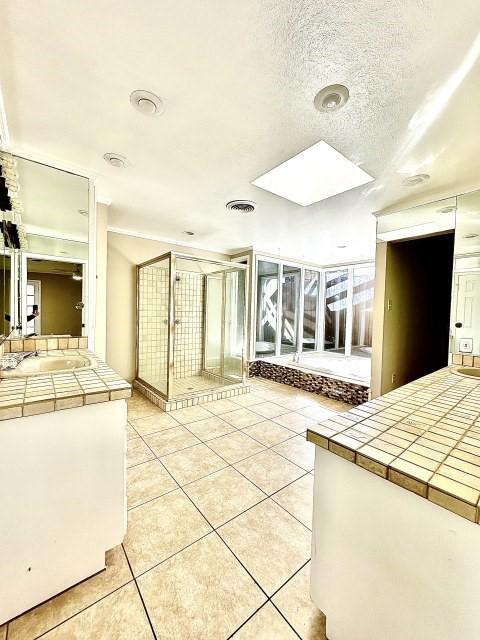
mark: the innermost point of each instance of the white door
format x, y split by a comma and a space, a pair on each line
34, 297
467, 317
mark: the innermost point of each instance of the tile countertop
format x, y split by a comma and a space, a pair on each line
54, 391
424, 437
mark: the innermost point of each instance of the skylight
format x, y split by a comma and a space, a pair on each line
312, 175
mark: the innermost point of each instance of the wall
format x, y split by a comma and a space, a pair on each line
59, 295
101, 282
124, 253
412, 338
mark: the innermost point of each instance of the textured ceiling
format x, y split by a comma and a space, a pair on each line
238, 81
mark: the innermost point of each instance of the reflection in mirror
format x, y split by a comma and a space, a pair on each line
466, 303
55, 209
423, 220
5, 293
54, 297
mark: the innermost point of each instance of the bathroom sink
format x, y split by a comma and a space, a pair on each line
471, 372
35, 365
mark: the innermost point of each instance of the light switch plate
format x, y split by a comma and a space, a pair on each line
465, 345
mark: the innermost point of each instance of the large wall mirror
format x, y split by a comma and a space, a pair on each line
466, 291
45, 227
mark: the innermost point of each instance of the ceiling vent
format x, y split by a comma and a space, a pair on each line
243, 206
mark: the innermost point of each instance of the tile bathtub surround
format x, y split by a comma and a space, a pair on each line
466, 359
47, 392
331, 387
424, 437
17, 345
216, 558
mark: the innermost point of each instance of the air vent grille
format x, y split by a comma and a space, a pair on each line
242, 206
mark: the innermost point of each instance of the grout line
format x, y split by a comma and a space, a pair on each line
285, 618
139, 593
74, 615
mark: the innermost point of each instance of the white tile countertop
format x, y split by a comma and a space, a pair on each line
57, 390
424, 437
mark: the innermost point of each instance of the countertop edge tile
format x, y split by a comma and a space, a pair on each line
57, 391
446, 396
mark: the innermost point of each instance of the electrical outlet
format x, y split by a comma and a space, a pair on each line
394, 377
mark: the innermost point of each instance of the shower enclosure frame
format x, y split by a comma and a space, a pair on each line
172, 257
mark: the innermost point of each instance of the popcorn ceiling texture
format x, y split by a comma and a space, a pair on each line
331, 387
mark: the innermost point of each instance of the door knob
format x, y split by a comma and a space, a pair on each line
458, 325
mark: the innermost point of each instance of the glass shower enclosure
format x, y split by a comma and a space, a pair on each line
191, 325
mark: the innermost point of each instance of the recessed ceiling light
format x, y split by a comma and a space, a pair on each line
83, 212
467, 236
189, 233
147, 103
341, 246
449, 209
312, 175
244, 206
331, 98
116, 160
413, 181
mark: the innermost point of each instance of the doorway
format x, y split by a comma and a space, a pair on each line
417, 308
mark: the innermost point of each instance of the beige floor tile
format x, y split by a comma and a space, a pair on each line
160, 528
294, 602
146, 481
223, 495
190, 414
142, 411
299, 451
171, 440
269, 409
193, 463
137, 452
298, 402
235, 446
151, 424
119, 616
202, 593
242, 418
248, 399
269, 542
131, 433
212, 427
317, 413
296, 421
269, 471
218, 407
56, 610
297, 499
268, 433
266, 624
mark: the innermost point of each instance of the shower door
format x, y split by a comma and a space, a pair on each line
225, 325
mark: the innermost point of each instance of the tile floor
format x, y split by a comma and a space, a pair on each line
218, 542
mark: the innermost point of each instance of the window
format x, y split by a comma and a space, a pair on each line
363, 284
300, 309
336, 290
267, 311
290, 312
310, 301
